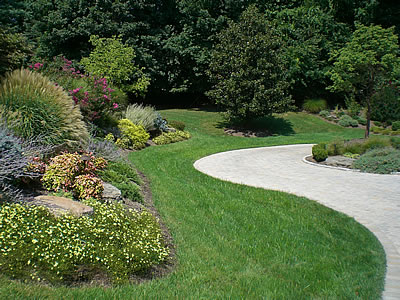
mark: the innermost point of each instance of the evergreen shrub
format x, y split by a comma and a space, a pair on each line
396, 125
381, 161
347, 121
123, 175
385, 105
324, 113
319, 152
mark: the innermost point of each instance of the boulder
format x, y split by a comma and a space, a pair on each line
150, 143
171, 129
111, 193
339, 161
62, 205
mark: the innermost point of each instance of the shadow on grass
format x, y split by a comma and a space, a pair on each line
206, 108
270, 125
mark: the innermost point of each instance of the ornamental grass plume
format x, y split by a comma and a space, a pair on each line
34, 106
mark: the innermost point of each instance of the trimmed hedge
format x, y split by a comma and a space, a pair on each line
319, 152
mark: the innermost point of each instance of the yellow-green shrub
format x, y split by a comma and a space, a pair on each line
171, 137
132, 136
34, 106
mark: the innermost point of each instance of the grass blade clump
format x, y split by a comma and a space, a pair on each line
314, 106
34, 106
141, 115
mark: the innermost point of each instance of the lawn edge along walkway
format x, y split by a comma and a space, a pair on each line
371, 199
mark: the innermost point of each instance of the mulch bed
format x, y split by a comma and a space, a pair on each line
243, 132
169, 264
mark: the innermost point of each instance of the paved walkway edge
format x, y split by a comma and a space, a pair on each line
392, 276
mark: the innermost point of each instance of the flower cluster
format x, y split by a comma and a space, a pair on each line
97, 100
36, 245
94, 95
36, 66
67, 67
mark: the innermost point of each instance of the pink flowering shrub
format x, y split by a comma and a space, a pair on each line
96, 101
63, 171
36, 66
95, 96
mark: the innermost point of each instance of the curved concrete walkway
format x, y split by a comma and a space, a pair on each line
372, 199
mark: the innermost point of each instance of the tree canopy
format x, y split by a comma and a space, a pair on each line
309, 34
366, 64
114, 60
173, 39
246, 67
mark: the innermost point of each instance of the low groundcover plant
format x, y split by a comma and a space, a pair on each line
113, 241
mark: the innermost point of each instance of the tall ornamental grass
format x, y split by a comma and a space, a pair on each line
34, 106
139, 114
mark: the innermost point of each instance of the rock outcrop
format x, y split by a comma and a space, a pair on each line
62, 205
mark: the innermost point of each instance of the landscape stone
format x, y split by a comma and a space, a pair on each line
339, 161
111, 193
138, 207
171, 129
150, 143
62, 205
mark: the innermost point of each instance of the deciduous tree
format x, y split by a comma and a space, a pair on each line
114, 60
365, 64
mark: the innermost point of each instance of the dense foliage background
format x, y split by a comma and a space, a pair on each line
173, 39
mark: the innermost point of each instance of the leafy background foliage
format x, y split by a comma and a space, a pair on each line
14, 50
172, 39
113, 60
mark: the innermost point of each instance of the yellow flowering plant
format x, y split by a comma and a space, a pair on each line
114, 241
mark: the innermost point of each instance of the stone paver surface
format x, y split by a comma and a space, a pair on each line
372, 199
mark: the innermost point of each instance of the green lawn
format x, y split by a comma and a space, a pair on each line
238, 242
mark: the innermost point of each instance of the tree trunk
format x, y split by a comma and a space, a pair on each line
370, 92
368, 117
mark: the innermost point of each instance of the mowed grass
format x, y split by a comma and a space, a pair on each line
239, 242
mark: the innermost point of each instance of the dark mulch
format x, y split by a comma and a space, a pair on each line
243, 132
169, 264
